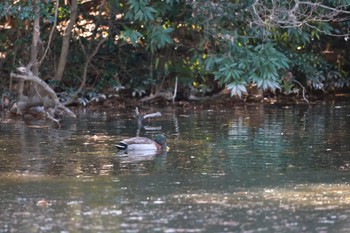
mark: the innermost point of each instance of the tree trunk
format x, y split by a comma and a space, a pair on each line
29, 89
35, 42
66, 39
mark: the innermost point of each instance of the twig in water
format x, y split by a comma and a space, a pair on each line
175, 89
53, 119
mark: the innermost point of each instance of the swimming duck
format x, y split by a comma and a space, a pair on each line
143, 144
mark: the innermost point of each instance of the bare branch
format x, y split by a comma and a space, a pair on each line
295, 13
175, 89
51, 33
87, 63
156, 114
304, 97
27, 75
51, 117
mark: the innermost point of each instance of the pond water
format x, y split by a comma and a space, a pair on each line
258, 168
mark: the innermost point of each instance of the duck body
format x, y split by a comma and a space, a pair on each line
140, 144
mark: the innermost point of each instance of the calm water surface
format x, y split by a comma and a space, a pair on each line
246, 169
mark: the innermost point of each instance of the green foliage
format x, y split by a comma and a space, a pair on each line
63, 12
25, 9
298, 36
268, 63
289, 87
201, 42
244, 65
158, 37
317, 72
21, 10
131, 35
139, 10
156, 34
239, 55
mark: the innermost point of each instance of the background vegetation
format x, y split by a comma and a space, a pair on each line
141, 47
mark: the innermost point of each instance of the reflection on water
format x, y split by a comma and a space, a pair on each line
247, 169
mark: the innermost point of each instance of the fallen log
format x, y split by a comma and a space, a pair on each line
50, 101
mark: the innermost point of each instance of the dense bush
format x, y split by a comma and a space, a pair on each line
200, 42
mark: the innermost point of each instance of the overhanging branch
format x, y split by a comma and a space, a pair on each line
294, 13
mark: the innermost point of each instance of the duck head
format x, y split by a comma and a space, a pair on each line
160, 139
